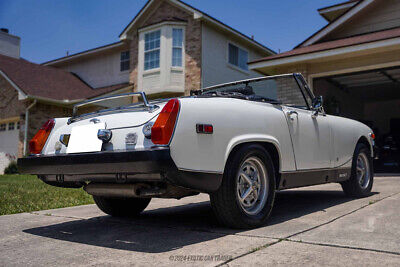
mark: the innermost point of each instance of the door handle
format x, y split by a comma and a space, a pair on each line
292, 112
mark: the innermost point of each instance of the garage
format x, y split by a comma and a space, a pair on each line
354, 63
9, 138
372, 97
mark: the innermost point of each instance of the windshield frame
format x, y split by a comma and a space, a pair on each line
299, 79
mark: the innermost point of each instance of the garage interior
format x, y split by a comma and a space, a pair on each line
372, 97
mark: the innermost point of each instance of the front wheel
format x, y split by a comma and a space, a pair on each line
362, 174
121, 207
246, 195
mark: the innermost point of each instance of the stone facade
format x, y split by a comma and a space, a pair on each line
168, 12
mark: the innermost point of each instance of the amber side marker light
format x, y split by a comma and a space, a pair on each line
372, 135
163, 128
37, 143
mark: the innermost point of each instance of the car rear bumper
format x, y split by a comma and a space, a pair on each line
139, 161
151, 165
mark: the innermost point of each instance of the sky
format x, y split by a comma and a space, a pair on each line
50, 28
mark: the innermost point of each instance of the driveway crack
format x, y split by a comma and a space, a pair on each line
341, 216
343, 246
319, 244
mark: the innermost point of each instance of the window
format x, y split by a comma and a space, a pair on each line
3, 127
18, 125
152, 50
11, 126
124, 61
238, 57
177, 44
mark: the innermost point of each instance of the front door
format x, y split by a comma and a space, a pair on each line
311, 138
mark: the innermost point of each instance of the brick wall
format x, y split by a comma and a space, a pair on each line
38, 115
168, 12
289, 92
302, 68
10, 106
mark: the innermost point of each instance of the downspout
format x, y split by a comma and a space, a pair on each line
27, 124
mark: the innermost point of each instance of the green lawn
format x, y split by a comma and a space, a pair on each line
24, 193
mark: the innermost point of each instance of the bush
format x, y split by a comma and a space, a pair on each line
12, 168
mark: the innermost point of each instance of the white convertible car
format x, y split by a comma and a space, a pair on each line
239, 142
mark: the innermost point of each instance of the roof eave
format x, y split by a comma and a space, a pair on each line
306, 57
84, 53
68, 102
65, 102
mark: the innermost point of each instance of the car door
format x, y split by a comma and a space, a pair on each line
311, 138
310, 132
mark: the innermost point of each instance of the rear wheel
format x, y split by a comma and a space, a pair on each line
362, 174
121, 207
246, 195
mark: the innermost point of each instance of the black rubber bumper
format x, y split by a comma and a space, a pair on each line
145, 165
139, 161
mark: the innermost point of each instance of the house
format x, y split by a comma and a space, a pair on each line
353, 62
30, 94
168, 49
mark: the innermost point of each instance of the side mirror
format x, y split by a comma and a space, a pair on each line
317, 103
317, 106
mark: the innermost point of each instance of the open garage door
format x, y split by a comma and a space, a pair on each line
372, 97
9, 139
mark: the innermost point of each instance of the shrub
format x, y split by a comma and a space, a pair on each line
12, 168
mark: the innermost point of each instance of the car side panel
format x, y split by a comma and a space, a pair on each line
346, 133
235, 121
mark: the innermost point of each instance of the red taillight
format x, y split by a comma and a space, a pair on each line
163, 128
37, 143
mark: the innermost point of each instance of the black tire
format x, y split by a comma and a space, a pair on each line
353, 187
121, 207
225, 201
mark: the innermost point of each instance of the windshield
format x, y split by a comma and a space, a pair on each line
279, 89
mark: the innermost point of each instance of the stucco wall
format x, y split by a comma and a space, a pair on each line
100, 70
215, 67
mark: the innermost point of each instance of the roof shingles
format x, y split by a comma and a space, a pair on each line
48, 82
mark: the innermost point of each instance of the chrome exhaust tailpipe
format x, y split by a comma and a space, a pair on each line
123, 190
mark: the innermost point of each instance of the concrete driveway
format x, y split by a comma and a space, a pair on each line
315, 225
